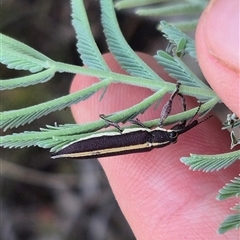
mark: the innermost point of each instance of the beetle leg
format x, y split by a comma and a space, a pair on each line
137, 122
102, 116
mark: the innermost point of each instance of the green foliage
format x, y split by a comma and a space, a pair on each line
178, 70
231, 189
86, 45
231, 222
32, 79
209, 163
124, 54
18, 56
176, 37
166, 8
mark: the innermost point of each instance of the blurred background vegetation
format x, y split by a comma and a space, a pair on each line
66, 199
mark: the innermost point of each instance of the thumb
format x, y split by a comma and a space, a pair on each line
217, 45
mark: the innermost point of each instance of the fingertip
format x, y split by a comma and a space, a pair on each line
221, 20
144, 183
217, 50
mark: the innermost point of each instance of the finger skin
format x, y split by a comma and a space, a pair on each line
159, 196
217, 45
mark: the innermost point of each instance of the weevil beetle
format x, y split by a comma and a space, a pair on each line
130, 140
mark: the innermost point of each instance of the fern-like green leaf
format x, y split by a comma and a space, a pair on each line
186, 26
230, 189
10, 43
124, 54
21, 140
86, 45
178, 70
19, 56
172, 10
231, 222
175, 36
122, 4
209, 163
15, 118
32, 79
236, 207
67, 133
19, 61
48, 137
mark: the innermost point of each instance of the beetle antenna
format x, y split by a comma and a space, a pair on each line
205, 119
168, 106
191, 120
